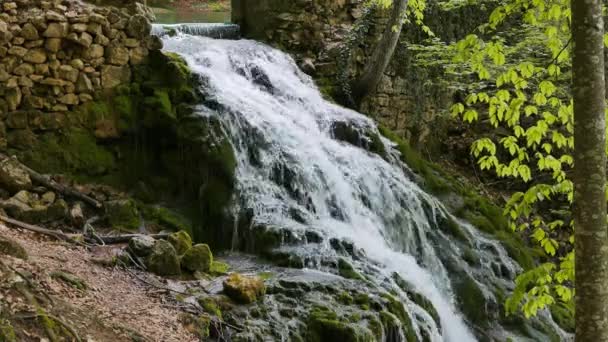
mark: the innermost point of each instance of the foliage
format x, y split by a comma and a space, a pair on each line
523, 93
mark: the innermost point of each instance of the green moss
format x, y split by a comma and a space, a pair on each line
266, 275
123, 214
165, 218
345, 298
219, 268
70, 279
390, 321
362, 299
396, 308
75, 152
244, 289
325, 325
346, 270
7, 332
210, 306
470, 257
181, 241
198, 258
471, 301
563, 315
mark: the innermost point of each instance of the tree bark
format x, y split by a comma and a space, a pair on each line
591, 231
375, 68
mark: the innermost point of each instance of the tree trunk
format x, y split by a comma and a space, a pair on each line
591, 231
375, 68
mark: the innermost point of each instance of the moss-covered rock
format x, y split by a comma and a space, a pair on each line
219, 268
210, 306
141, 246
163, 260
325, 325
346, 270
471, 301
181, 241
244, 289
12, 248
563, 315
197, 258
123, 214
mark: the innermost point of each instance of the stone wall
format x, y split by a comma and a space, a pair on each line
55, 55
412, 98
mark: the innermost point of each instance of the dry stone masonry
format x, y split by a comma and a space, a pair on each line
56, 54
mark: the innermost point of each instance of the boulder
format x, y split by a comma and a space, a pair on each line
141, 246
244, 289
181, 241
117, 55
122, 214
56, 30
29, 32
13, 176
36, 56
198, 258
139, 27
163, 259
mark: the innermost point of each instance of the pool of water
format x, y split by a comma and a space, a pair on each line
173, 16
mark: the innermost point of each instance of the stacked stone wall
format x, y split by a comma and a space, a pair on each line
56, 55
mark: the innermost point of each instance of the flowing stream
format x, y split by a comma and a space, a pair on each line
289, 159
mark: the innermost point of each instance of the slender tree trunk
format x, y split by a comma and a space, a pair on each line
591, 231
375, 68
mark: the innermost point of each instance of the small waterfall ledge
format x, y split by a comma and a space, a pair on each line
210, 30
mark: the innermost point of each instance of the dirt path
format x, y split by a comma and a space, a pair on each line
115, 306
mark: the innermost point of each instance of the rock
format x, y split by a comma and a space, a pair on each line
122, 214
112, 76
138, 55
83, 84
308, 66
244, 289
13, 176
54, 16
24, 69
94, 51
13, 98
5, 34
154, 43
181, 241
25, 206
139, 27
68, 73
69, 99
141, 246
163, 259
117, 55
198, 258
53, 44
12, 248
56, 30
36, 56
29, 32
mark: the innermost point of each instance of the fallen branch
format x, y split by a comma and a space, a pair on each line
51, 184
112, 240
53, 233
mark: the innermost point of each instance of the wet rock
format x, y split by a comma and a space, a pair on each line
139, 27
163, 259
141, 246
181, 241
123, 214
12, 248
198, 258
13, 176
244, 289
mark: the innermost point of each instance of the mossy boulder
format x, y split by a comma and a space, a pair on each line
244, 289
70, 280
122, 214
12, 248
471, 300
13, 177
197, 258
163, 260
181, 241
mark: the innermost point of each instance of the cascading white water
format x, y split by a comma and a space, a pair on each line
273, 111
212, 30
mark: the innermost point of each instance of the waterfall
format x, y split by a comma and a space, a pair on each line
289, 159
211, 30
